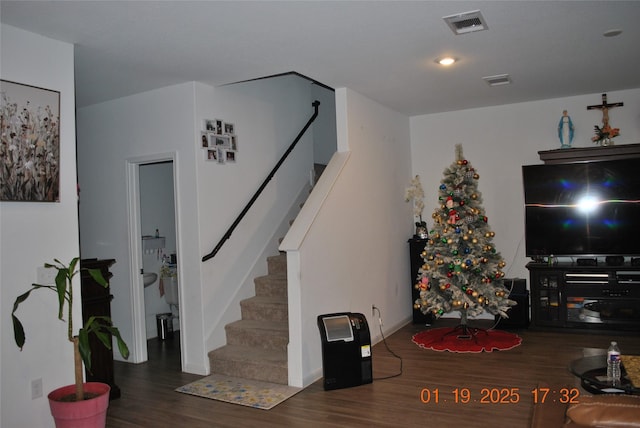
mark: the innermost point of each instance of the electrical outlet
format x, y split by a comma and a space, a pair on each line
36, 388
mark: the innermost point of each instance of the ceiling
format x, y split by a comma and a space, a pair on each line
384, 50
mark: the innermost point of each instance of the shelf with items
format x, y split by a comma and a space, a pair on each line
596, 298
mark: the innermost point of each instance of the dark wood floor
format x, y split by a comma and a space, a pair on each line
148, 397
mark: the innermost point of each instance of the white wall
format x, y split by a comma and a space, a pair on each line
33, 233
498, 141
355, 252
132, 129
268, 114
324, 129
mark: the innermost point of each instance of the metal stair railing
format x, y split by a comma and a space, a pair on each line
228, 233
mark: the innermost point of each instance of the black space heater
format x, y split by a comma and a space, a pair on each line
346, 350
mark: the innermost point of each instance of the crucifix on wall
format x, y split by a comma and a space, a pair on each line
603, 135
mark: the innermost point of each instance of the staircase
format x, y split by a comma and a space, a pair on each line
257, 344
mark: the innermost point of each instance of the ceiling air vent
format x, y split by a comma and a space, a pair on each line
467, 22
497, 80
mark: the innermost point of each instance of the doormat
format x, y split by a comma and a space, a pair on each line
245, 392
444, 339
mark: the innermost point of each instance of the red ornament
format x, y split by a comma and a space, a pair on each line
469, 291
464, 162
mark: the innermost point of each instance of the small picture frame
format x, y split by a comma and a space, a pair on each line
204, 140
220, 141
229, 128
212, 155
230, 156
219, 126
210, 125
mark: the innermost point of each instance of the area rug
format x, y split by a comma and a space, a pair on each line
441, 339
251, 393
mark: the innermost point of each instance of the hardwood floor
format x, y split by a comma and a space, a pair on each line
148, 397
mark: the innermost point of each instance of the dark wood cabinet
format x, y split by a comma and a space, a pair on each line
416, 246
569, 296
96, 301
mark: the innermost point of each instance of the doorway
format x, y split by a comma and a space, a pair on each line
154, 261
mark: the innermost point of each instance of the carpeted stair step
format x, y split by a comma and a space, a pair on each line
273, 285
258, 334
265, 308
250, 363
277, 264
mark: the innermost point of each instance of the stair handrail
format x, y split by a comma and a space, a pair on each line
258, 192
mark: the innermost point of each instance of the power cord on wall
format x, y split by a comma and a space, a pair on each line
384, 340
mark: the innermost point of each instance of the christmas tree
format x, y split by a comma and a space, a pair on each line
462, 270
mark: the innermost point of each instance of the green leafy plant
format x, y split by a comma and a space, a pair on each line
101, 326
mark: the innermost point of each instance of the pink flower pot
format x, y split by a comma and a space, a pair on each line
91, 413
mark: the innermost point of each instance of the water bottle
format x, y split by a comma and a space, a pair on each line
613, 364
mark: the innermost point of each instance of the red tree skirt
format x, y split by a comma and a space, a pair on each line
484, 340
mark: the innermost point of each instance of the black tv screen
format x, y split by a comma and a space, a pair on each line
582, 209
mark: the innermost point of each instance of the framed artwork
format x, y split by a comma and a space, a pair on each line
30, 143
222, 141
218, 141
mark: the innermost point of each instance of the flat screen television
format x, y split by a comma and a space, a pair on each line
582, 209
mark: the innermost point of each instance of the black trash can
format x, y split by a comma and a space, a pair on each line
164, 322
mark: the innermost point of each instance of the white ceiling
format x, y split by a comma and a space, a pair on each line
384, 50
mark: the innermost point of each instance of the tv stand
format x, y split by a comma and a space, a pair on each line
594, 298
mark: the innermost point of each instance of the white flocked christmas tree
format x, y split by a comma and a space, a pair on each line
462, 270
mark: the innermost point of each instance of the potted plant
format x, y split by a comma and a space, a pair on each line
93, 395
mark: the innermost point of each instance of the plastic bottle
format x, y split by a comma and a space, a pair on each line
613, 363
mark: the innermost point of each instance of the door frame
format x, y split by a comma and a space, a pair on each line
138, 349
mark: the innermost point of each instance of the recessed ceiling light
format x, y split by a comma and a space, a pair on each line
612, 33
447, 60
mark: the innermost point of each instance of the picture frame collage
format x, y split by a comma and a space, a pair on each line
219, 141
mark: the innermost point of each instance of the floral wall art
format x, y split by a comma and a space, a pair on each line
29, 143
